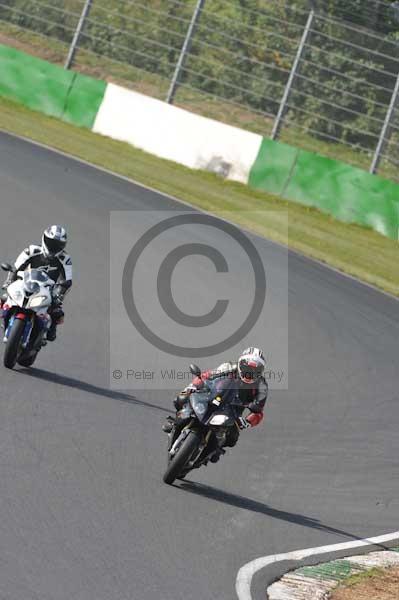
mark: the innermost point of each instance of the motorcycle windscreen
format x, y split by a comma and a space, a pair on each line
36, 275
200, 404
223, 414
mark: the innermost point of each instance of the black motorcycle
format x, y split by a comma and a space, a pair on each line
201, 426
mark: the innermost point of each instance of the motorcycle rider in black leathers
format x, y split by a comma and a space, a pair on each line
51, 258
250, 388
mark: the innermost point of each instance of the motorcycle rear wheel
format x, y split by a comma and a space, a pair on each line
13, 344
181, 457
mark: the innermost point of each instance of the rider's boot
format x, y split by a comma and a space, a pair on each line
52, 332
217, 454
168, 425
57, 317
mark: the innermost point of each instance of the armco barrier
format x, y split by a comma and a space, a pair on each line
345, 192
349, 194
273, 166
35, 83
47, 88
176, 134
84, 100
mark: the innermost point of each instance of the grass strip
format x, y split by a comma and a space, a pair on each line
355, 250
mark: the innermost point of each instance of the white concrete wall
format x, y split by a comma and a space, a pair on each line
176, 134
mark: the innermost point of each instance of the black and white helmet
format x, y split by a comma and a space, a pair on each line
251, 365
54, 240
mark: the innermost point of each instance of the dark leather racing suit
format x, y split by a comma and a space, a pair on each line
251, 396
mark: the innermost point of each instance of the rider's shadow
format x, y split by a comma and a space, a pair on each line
89, 388
245, 503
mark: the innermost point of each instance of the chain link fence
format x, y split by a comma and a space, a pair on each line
322, 75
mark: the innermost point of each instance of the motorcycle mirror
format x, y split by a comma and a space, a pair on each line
194, 370
6, 266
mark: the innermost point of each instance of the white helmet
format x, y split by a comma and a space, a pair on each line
251, 365
54, 240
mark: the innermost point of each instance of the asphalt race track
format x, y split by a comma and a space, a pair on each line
84, 514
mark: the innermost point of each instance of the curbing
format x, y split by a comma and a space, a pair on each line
317, 582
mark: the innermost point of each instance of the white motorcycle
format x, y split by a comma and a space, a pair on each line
25, 316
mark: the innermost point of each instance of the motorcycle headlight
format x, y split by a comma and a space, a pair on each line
218, 420
38, 301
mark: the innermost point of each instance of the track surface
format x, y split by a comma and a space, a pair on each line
83, 512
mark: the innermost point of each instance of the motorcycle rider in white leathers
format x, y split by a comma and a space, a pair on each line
50, 257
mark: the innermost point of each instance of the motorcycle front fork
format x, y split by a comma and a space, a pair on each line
204, 452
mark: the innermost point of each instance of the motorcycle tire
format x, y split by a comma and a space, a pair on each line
28, 361
181, 457
13, 344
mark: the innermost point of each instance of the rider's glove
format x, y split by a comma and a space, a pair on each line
243, 423
59, 293
57, 299
255, 418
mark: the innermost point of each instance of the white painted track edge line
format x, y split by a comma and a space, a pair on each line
311, 259
246, 573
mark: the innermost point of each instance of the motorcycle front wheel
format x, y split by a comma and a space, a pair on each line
182, 456
13, 344
27, 361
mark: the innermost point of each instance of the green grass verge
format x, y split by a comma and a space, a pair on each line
350, 248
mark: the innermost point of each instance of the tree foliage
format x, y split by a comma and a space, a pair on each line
243, 51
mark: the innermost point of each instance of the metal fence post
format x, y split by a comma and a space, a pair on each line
79, 28
385, 129
288, 87
184, 51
